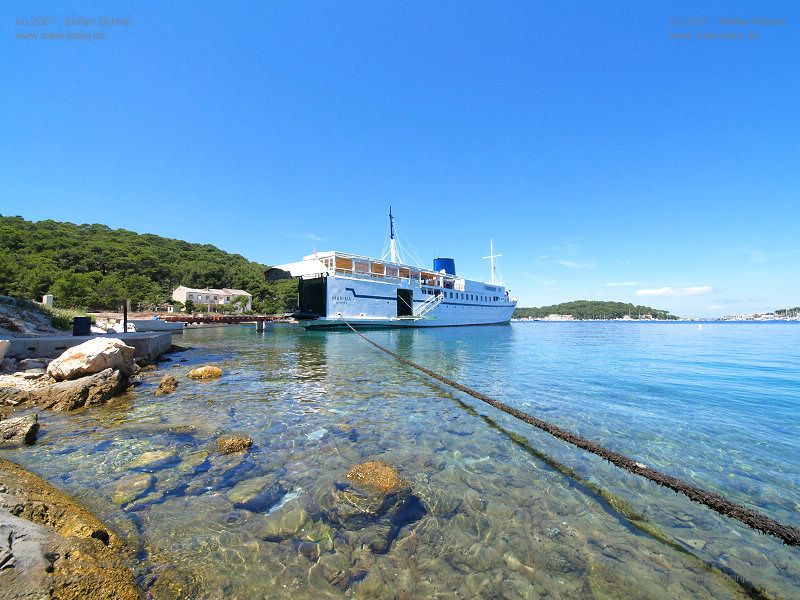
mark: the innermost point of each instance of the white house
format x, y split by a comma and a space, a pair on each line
209, 296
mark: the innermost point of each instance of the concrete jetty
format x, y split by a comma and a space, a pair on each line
149, 325
148, 346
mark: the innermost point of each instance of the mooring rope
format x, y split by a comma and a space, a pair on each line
786, 533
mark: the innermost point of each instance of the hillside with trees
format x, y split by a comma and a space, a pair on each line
593, 309
96, 267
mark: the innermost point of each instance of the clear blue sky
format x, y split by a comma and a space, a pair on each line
606, 159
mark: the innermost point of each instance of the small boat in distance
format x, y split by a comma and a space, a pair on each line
336, 288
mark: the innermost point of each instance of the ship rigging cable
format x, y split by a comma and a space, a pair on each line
786, 533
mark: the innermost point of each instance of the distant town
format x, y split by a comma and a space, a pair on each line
593, 310
788, 314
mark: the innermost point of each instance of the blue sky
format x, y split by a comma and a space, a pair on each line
606, 159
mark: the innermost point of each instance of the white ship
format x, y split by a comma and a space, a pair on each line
336, 288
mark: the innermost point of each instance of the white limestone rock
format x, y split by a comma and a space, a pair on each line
93, 356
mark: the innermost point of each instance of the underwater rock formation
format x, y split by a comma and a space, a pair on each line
377, 504
207, 372
256, 494
233, 443
377, 476
167, 385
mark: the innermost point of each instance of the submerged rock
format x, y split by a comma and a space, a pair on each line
146, 500
378, 492
167, 385
93, 356
206, 372
233, 443
19, 431
437, 501
256, 494
320, 533
284, 523
152, 460
131, 487
377, 476
377, 537
192, 460
335, 569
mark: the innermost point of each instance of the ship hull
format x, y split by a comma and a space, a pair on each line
375, 303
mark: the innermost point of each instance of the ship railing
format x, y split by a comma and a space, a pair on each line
369, 276
427, 306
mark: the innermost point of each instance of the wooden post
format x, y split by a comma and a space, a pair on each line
125, 317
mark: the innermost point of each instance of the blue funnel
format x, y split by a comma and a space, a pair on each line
448, 264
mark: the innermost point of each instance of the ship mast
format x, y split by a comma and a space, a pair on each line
392, 242
491, 258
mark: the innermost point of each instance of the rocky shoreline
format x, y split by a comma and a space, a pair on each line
52, 547
88, 374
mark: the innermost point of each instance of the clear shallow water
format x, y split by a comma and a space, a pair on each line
502, 510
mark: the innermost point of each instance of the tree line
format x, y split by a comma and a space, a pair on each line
96, 267
593, 309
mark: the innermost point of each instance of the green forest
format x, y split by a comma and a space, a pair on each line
96, 267
593, 309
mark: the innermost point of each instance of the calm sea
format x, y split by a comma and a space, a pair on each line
499, 509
